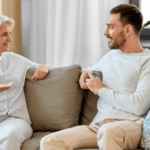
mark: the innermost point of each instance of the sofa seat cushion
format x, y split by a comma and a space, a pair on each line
54, 103
34, 142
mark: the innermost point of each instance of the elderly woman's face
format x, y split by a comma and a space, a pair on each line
5, 38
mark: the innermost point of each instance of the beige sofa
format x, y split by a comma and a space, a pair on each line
56, 103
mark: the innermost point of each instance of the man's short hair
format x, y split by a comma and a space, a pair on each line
129, 14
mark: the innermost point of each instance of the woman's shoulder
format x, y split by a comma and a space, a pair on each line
12, 55
14, 58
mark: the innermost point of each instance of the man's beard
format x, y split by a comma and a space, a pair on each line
118, 42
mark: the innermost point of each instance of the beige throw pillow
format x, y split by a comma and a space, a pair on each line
54, 103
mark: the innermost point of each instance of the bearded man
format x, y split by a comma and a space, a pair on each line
124, 96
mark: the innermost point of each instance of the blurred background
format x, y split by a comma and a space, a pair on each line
64, 32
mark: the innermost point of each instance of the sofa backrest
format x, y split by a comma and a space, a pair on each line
89, 108
54, 103
89, 104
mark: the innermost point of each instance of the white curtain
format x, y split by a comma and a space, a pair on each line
65, 32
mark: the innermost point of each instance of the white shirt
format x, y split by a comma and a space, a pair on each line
126, 77
13, 68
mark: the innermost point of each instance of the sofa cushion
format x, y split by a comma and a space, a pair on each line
54, 103
89, 104
34, 142
145, 139
89, 108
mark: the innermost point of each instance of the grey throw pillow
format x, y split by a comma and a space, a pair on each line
54, 103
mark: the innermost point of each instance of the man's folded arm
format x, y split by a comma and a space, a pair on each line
137, 103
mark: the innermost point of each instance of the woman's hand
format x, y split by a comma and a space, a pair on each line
41, 72
6, 87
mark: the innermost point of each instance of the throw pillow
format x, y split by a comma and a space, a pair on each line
54, 103
145, 139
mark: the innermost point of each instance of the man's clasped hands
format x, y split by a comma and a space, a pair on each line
88, 81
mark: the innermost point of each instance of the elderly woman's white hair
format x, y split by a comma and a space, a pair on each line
6, 20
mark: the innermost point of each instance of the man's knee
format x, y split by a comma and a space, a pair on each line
52, 142
108, 135
108, 130
44, 142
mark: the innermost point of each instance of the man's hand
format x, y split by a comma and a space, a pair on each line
94, 83
6, 87
41, 72
83, 77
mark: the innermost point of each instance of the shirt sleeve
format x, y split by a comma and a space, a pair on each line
30, 64
26, 62
97, 67
138, 102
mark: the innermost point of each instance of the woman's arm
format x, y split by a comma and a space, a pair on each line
41, 72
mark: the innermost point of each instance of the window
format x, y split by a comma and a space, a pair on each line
144, 8
143, 5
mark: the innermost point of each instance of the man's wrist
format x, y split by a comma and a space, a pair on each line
99, 90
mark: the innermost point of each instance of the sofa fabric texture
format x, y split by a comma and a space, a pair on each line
57, 102
89, 104
89, 108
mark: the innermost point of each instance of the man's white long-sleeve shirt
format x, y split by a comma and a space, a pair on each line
13, 68
126, 77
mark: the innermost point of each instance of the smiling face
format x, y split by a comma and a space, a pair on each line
114, 31
5, 38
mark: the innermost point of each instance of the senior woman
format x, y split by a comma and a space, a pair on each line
14, 118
